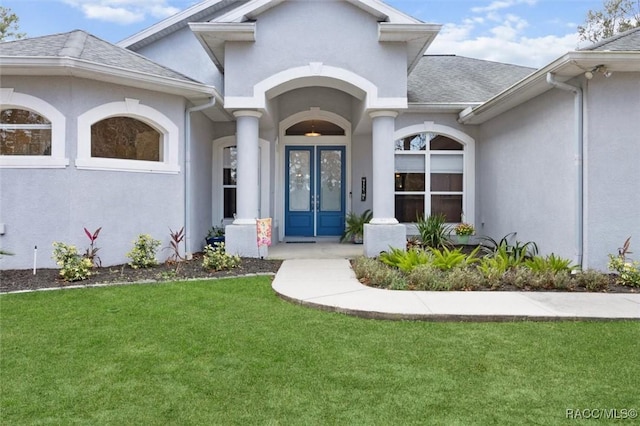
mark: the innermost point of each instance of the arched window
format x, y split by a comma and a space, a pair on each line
126, 138
24, 132
429, 177
32, 132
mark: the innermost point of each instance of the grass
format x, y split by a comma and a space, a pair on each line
231, 352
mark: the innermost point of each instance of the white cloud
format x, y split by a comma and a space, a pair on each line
501, 4
534, 52
123, 11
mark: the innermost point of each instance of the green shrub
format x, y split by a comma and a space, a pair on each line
376, 274
446, 259
546, 280
592, 280
628, 271
407, 260
516, 251
73, 267
143, 254
464, 279
551, 263
217, 259
433, 230
493, 268
427, 277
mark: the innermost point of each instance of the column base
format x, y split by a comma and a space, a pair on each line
378, 238
242, 240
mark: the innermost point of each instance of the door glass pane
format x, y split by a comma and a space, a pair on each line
330, 180
299, 181
447, 163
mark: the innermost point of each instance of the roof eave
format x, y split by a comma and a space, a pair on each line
151, 31
417, 36
55, 66
213, 36
440, 107
566, 67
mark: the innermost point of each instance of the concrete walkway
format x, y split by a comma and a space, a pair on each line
330, 284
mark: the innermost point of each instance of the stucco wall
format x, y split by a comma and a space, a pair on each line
338, 34
182, 52
526, 175
40, 206
201, 179
612, 159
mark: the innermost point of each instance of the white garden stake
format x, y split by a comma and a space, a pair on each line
35, 257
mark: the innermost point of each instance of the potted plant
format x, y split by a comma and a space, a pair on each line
215, 235
464, 231
354, 229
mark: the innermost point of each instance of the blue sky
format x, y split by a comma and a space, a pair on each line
524, 32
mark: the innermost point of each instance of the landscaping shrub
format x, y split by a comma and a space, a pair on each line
407, 260
462, 278
427, 277
592, 280
433, 230
217, 259
550, 263
446, 259
73, 266
628, 271
375, 273
143, 254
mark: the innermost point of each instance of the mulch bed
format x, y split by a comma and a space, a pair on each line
16, 280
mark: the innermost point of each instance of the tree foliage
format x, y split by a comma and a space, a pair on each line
9, 29
616, 16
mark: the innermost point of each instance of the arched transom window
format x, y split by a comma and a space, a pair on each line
125, 138
429, 177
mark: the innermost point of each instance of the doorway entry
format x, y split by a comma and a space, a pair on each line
314, 190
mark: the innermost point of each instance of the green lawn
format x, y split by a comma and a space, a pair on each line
231, 352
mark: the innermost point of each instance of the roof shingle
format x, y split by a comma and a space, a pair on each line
452, 79
81, 45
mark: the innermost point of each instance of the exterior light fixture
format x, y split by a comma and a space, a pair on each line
313, 132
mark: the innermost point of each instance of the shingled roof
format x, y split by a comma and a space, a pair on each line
628, 41
83, 46
453, 79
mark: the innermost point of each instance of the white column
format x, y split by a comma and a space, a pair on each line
383, 188
248, 153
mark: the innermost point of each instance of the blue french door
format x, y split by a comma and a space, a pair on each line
315, 193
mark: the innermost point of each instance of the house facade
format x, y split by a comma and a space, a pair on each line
236, 110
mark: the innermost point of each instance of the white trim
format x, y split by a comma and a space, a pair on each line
469, 158
129, 108
315, 74
279, 181
11, 99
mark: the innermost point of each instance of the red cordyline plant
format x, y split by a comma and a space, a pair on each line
176, 239
92, 251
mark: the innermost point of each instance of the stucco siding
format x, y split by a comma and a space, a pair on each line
182, 52
40, 206
526, 175
201, 179
337, 34
612, 166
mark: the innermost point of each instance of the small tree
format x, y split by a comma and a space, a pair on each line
616, 16
9, 29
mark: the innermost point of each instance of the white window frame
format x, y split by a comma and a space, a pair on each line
131, 108
468, 158
10, 99
217, 198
